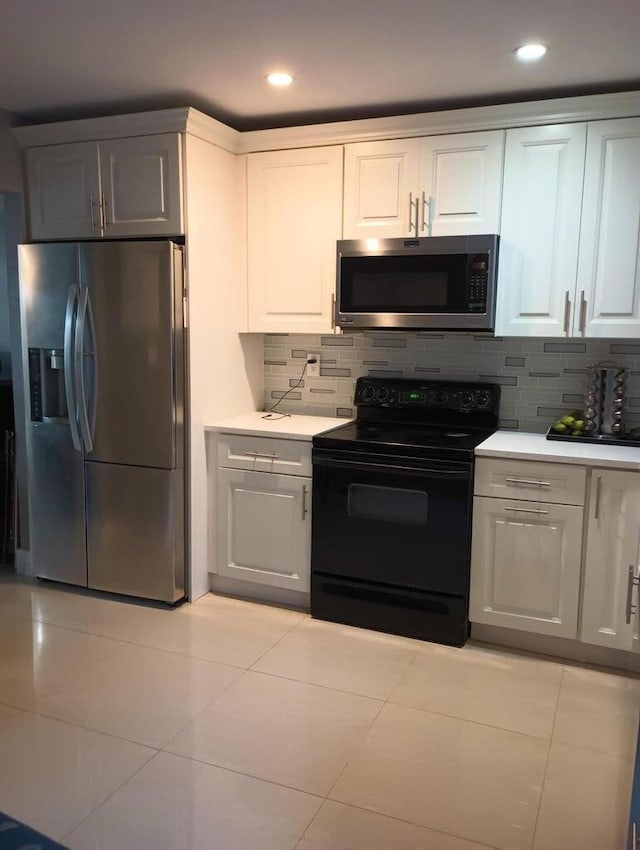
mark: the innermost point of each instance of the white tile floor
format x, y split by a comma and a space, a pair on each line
238, 726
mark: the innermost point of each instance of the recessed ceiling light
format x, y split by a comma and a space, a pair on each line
530, 52
280, 79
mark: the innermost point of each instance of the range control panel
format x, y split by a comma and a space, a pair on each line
432, 395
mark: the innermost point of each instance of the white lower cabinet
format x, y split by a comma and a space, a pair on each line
525, 571
612, 560
264, 528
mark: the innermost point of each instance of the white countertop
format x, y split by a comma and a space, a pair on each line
525, 446
292, 427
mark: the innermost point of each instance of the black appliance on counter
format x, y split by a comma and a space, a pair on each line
392, 503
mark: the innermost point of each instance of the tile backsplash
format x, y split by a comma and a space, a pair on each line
540, 378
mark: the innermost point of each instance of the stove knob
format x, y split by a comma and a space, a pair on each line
482, 399
382, 394
440, 397
466, 399
367, 394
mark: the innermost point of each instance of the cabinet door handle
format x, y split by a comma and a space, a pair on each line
528, 481
630, 583
527, 510
583, 313
93, 204
596, 511
567, 312
104, 203
426, 218
305, 509
413, 223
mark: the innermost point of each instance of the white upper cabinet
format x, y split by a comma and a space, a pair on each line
294, 215
612, 561
141, 189
460, 180
381, 182
434, 186
116, 188
63, 189
609, 266
539, 231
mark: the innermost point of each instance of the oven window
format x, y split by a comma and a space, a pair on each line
404, 284
387, 504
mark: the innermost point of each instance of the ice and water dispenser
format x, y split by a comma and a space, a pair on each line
47, 385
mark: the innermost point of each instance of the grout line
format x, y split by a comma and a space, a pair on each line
281, 638
112, 794
546, 764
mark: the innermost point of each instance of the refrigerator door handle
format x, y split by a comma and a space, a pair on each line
79, 355
68, 366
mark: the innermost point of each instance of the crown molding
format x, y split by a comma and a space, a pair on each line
499, 117
181, 120
196, 123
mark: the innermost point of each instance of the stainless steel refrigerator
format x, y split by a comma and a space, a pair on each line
103, 352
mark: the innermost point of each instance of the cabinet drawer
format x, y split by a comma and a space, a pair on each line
265, 454
529, 480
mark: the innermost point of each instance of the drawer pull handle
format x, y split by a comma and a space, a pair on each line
596, 512
527, 510
305, 509
528, 481
267, 455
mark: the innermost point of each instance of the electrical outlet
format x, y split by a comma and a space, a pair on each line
313, 364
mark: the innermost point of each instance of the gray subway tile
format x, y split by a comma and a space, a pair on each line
509, 424
624, 348
290, 396
430, 369
336, 372
546, 412
514, 361
296, 382
634, 401
275, 362
337, 341
384, 373
299, 353
389, 342
544, 374
565, 347
325, 392
375, 362
572, 398
345, 412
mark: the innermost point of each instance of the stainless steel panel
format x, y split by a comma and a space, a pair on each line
56, 503
46, 273
135, 530
135, 293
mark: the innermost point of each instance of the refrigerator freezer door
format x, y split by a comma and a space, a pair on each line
48, 274
135, 296
135, 530
56, 499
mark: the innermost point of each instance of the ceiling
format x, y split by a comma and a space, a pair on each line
64, 59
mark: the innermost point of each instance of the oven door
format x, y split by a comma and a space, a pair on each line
393, 521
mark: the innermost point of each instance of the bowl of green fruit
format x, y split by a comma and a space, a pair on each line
570, 425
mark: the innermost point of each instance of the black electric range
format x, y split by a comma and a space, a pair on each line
392, 503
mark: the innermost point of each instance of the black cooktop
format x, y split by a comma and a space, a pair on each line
437, 419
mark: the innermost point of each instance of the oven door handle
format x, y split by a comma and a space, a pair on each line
429, 472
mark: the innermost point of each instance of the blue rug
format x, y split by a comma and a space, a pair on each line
16, 836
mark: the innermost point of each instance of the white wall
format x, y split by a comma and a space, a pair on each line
226, 369
10, 181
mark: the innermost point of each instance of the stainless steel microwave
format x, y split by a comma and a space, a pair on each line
434, 283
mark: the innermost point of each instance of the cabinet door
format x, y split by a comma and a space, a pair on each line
525, 565
264, 528
539, 231
609, 264
381, 182
613, 540
461, 177
294, 220
63, 191
141, 186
